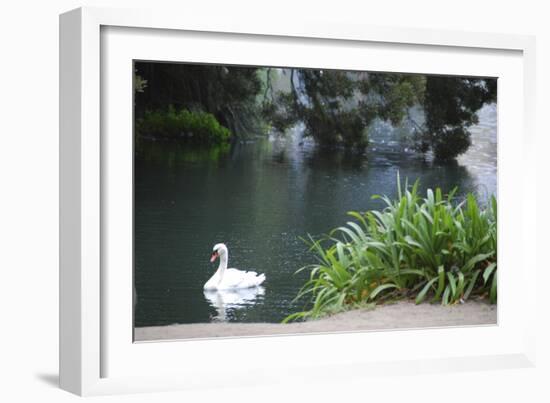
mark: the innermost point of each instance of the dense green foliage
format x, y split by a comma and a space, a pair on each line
415, 247
450, 107
229, 93
336, 107
192, 127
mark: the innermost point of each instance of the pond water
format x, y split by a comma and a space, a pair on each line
259, 198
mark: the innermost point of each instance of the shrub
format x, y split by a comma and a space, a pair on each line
415, 247
192, 126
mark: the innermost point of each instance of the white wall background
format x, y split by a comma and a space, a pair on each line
29, 197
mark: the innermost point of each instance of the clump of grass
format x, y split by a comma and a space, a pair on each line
192, 126
427, 248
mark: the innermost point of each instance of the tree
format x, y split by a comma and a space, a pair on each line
450, 109
337, 107
227, 92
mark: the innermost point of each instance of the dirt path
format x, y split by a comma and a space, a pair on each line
395, 316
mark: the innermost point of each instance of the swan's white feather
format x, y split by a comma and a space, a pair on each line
233, 278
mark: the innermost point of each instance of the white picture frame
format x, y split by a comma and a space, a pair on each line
97, 357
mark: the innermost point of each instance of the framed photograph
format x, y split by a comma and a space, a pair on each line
231, 192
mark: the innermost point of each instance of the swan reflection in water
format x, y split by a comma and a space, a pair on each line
227, 301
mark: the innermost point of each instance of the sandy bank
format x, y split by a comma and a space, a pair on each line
395, 316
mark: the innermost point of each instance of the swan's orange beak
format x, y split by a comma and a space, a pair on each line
214, 256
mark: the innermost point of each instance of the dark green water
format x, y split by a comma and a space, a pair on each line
259, 199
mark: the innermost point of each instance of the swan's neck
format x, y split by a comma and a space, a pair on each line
223, 263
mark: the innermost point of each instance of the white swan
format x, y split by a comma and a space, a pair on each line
225, 279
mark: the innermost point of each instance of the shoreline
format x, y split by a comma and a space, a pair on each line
394, 316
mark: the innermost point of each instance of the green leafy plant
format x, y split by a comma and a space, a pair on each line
192, 126
426, 248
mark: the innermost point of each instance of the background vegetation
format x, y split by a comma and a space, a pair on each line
195, 127
227, 93
335, 107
